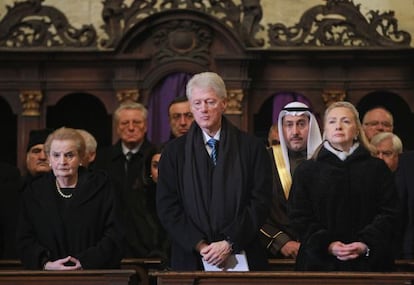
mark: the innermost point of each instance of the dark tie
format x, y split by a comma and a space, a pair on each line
128, 157
213, 144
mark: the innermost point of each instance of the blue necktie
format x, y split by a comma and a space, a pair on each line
213, 144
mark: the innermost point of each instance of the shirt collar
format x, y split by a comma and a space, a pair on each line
125, 150
206, 137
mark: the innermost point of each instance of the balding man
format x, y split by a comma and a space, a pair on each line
376, 120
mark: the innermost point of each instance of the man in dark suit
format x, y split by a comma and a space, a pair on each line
124, 162
405, 184
214, 186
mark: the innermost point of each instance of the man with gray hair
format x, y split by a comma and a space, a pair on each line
124, 162
214, 187
388, 148
299, 135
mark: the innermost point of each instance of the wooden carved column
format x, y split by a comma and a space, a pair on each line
333, 95
31, 118
234, 107
127, 95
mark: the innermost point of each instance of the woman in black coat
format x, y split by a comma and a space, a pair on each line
344, 203
68, 219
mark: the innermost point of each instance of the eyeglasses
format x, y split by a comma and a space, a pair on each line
374, 124
385, 153
177, 116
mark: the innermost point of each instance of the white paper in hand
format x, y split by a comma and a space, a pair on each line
235, 262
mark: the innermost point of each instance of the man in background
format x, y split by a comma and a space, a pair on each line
376, 120
124, 162
90, 147
37, 161
180, 116
389, 147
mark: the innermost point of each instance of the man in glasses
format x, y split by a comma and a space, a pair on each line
376, 120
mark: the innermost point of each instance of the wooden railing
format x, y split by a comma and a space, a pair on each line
282, 278
78, 277
148, 271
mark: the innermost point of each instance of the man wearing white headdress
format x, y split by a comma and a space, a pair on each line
299, 135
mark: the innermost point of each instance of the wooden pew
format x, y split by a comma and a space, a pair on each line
79, 277
276, 264
10, 264
282, 278
142, 266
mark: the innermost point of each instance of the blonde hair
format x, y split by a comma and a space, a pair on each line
66, 134
361, 137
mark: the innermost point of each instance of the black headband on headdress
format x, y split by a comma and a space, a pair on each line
296, 109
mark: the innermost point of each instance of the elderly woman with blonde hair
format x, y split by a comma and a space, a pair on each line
69, 217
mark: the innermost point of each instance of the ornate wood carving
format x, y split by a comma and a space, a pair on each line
31, 100
242, 19
332, 96
183, 39
340, 23
127, 95
119, 18
234, 101
29, 24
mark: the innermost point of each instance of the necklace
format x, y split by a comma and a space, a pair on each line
61, 193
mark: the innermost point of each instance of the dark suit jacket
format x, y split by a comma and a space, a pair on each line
140, 224
235, 210
405, 184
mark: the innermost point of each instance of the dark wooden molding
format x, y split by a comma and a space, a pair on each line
177, 40
29, 24
243, 20
340, 23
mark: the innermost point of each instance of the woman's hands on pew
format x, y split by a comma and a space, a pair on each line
348, 251
67, 263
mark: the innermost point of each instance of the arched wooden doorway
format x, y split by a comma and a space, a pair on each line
82, 111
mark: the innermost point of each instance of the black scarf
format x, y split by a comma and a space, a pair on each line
213, 194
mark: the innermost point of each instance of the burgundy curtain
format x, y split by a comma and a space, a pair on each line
170, 87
